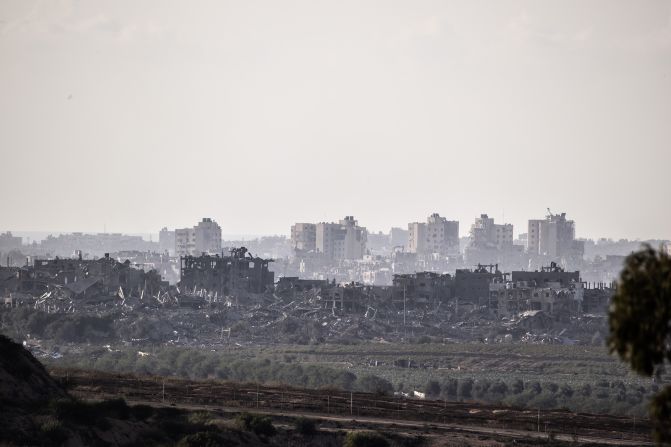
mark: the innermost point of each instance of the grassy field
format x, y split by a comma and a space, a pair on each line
580, 378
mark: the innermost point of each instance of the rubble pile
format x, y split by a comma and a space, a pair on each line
232, 299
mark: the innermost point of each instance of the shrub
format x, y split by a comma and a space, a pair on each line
113, 408
432, 388
89, 413
142, 412
202, 439
567, 391
260, 425
305, 426
73, 411
534, 387
465, 388
450, 387
365, 439
176, 428
200, 418
54, 432
374, 384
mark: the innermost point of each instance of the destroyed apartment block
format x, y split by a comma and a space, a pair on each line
421, 288
221, 276
60, 283
292, 286
551, 290
354, 297
471, 287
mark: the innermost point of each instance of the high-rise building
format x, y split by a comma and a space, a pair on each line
399, 237
208, 237
554, 237
486, 234
185, 242
343, 240
304, 236
166, 240
436, 235
205, 237
9, 242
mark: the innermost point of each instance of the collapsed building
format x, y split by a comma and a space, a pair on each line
290, 285
234, 294
354, 297
552, 290
78, 280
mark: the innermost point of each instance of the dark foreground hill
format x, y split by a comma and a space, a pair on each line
24, 382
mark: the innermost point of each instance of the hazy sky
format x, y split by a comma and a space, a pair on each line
140, 114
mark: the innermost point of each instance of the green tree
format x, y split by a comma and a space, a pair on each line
365, 439
465, 388
640, 325
374, 384
432, 388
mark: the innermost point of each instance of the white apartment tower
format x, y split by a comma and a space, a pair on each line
185, 242
343, 240
205, 237
485, 233
436, 235
553, 236
208, 237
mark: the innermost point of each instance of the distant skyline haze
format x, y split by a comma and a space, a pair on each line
132, 116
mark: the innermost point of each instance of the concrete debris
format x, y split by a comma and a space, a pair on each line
233, 300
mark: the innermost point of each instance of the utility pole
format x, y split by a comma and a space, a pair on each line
538, 428
404, 304
350, 404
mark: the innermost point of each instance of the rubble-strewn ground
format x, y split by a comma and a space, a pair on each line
268, 319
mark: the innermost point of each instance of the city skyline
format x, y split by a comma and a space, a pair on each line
464, 230
259, 115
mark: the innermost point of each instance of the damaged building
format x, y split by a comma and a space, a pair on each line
551, 290
77, 280
421, 288
551, 274
472, 286
225, 275
106, 275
